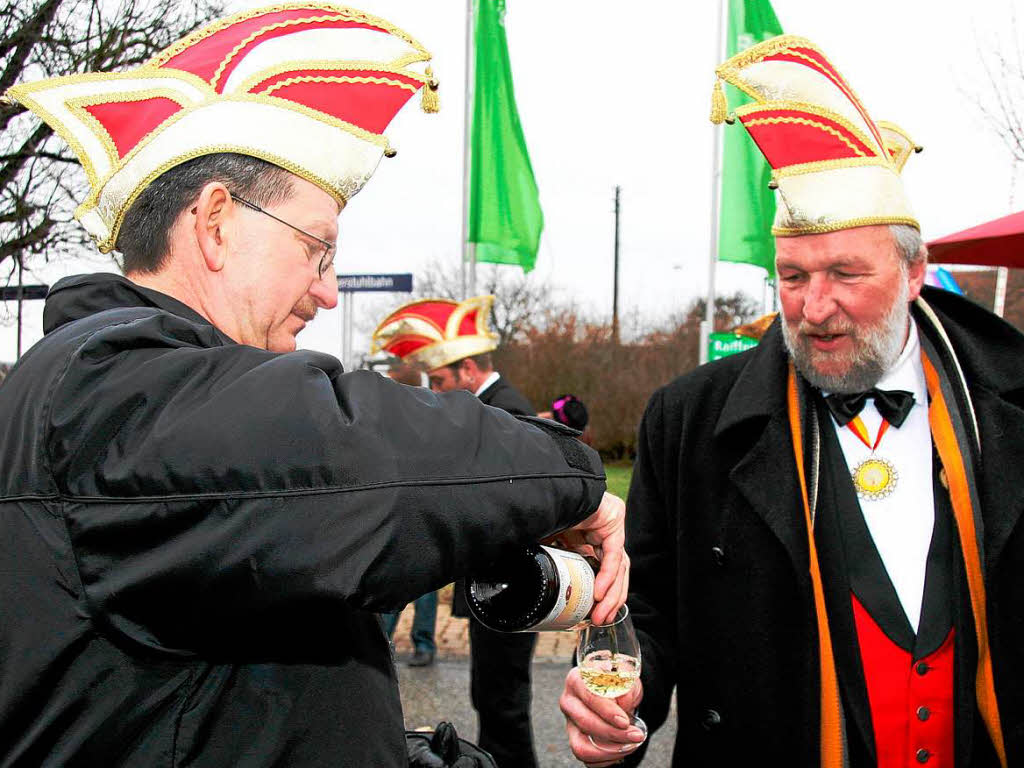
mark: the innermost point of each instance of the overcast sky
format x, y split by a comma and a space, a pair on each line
619, 93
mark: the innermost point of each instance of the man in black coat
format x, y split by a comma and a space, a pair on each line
825, 529
200, 523
453, 342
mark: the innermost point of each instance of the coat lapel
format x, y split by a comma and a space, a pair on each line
989, 351
755, 415
1001, 425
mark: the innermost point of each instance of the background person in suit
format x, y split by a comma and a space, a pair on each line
452, 340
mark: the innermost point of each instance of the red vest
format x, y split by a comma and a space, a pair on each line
911, 702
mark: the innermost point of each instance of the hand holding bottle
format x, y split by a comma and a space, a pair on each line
603, 534
556, 587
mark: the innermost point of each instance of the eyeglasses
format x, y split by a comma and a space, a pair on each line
326, 258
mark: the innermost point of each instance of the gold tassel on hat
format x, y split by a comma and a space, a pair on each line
430, 102
719, 106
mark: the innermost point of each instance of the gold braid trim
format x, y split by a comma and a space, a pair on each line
279, 25
201, 34
77, 107
92, 200
842, 84
107, 245
338, 79
817, 166
811, 109
730, 71
405, 306
359, 133
864, 221
354, 65
804, 121
24, 94
758, 53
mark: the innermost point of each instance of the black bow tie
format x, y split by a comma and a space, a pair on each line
894, 405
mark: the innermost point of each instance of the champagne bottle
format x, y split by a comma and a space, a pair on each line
536, 589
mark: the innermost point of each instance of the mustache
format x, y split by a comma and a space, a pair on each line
306, 309
832, 327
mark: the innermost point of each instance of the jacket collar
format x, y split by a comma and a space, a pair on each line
760, 389
73, 298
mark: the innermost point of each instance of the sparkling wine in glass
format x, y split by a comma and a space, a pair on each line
609, 662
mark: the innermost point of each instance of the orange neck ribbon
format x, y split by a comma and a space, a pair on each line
857, 427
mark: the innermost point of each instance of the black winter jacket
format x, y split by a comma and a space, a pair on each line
197, 533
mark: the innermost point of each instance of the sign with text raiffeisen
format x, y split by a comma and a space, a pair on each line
398, 283
724, 344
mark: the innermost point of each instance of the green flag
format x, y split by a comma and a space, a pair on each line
505, 219
748, 206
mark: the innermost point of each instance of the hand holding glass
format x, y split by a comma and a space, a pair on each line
609, 662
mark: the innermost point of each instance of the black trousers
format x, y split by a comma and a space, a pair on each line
500, 690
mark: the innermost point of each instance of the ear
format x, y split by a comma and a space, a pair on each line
214, 211
916, 273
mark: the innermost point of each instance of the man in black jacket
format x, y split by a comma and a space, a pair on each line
453, 341
200, 523
826, 529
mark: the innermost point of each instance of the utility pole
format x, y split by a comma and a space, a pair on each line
21, 299
615, 289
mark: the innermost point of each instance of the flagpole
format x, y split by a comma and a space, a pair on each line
466, 249
707, 327
999, 303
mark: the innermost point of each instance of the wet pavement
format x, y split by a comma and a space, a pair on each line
441, 691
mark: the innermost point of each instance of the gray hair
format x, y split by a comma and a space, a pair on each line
908, 242
144, 238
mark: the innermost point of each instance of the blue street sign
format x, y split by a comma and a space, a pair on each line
399, 283
27, 292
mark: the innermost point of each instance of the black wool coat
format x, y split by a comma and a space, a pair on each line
198, 535
720, 590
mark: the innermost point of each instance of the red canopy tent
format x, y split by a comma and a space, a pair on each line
998, 243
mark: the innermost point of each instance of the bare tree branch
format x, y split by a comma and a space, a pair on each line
40, 180
1001, 104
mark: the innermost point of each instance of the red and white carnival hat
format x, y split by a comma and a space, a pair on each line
437, 332
834, 166
309, 87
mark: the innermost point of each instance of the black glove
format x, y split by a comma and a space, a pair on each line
444, 749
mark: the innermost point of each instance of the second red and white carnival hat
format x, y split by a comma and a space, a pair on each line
437, 332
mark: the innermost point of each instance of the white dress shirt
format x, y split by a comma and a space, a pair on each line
901, 523
487, 382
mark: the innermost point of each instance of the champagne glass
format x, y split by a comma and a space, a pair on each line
609, 662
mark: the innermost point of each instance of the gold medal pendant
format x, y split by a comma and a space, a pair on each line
875, 478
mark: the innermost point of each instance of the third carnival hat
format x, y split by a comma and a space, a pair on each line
833, 166
309, 87
437, 332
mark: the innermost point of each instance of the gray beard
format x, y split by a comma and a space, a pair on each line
876, 350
